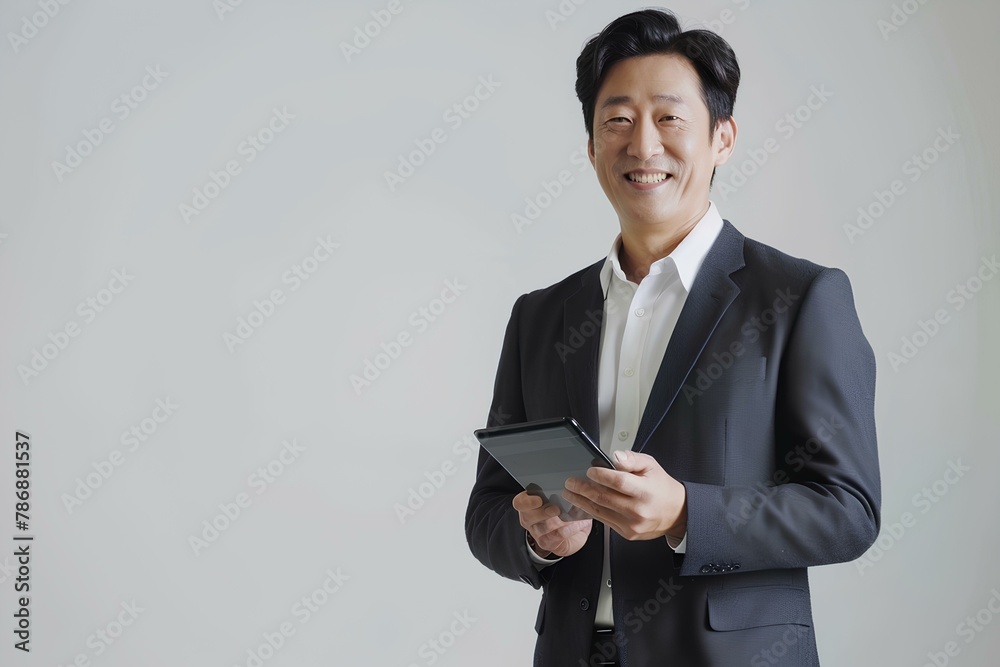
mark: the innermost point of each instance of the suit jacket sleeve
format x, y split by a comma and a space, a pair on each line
823, 503
492, 526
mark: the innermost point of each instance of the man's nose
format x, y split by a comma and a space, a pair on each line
645, 141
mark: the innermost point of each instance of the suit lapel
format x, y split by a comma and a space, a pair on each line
583, 317
712, 293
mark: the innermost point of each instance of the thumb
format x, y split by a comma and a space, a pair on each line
630, 461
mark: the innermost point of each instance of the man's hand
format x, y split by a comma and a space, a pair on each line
551, 534
639, 500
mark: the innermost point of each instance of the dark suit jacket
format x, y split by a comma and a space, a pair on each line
763, 406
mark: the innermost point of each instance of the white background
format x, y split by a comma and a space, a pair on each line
335, 506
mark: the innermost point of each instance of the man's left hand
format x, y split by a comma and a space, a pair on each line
639, 500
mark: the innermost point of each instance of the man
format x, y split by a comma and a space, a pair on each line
731, 383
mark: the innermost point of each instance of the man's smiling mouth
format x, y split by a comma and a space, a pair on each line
657, 177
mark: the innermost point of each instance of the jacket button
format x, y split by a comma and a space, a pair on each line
584, 604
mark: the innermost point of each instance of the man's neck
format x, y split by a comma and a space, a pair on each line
646, 244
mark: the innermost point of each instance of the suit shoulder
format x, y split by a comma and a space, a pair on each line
767, 259
768, 269
558, 292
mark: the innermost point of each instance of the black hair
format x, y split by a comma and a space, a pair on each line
654, 31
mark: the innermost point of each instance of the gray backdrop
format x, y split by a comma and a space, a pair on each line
257, 261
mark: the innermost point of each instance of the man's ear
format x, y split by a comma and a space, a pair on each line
590, 152
724, 140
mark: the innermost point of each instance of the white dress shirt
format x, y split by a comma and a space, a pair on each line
638, 322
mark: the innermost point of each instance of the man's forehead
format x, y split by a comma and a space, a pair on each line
665, 78
669, 98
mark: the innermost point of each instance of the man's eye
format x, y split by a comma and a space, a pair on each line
618, 120
671, 118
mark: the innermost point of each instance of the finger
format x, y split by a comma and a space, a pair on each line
525, 501
624, 482
598, 493
635, 462
552, 538
609, 515
533, 518
555, 526
540, 525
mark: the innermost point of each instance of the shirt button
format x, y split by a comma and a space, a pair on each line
622, 435
640, 312
629, 372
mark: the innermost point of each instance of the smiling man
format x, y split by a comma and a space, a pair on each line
731, 384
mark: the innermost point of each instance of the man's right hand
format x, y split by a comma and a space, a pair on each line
552, 535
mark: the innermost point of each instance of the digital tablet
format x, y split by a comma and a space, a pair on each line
541, 455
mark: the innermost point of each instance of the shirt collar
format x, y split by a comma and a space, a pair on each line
687, 257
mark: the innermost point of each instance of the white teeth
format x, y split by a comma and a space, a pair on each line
647, 178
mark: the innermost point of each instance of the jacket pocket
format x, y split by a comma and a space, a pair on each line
758, 606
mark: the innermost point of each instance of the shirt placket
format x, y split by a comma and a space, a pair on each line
630, 364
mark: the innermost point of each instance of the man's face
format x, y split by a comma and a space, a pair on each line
652, 149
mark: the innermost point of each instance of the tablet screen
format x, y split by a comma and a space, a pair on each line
542, 455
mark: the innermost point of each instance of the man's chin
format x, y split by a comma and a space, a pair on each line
650, 214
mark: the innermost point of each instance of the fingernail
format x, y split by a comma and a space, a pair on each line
620, 456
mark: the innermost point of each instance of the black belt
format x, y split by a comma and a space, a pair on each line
603, 651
